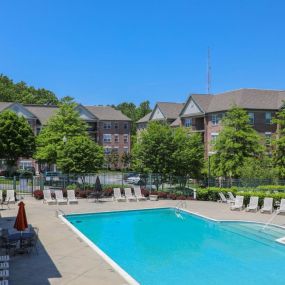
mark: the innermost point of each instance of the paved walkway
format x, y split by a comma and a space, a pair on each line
65, 259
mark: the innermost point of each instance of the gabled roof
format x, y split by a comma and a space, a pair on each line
255, 99
169, 110
107, 113
4, 105
176, 123
145, 118
42, 112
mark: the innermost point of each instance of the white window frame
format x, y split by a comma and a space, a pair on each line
116, 138
251, 118
268, 138
107, 150
188, 122
126, 149
267, 120
126, 138
107, 125
107, 138
214, 137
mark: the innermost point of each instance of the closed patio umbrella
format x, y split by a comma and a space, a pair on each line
21, 221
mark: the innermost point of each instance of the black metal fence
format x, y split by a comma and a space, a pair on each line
151, 182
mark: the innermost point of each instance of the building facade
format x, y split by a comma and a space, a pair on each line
107, 126
203, 113
167, 112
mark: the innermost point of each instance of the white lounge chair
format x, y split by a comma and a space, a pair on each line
47, 198
231, 196
59, 198
4, 258
4, 273
223, 198
138, 194
267, 205
238, 205
253, 204
71, 197
117, 195
4, 265
281, 208
129, 195
10, 196
4, 282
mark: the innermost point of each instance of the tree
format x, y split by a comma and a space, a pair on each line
133, 112
20, 92
126, 159
188, 157
66, 123
80, 155
279, 144
236, 142
16, 138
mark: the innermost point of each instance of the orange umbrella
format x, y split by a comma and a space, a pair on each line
21, 221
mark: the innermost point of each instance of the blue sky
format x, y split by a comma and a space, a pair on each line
109, 51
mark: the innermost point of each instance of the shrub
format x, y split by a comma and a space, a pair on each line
171, 196
271, 187
38, 194
181, 197
145, 192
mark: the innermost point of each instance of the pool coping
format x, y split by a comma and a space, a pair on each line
115, 265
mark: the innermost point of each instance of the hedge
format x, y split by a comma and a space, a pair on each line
212, 194
271, 187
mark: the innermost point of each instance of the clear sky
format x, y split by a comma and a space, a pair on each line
109, 51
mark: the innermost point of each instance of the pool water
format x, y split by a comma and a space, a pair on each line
156, 247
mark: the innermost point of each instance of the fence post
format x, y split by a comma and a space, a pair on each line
14, 183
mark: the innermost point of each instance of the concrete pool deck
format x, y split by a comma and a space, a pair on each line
65, 259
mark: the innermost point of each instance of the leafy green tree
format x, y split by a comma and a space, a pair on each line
236, 142
126, 159
279, 144
16, 138
80, 155
153, 150
188, 157
65, 123
20, 92
258, 167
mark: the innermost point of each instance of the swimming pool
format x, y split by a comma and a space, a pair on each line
156, 247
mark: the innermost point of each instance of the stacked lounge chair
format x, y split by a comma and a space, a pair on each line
118, 196
4, 269
238, 204
281, 208
71, 197
267, 205
129, 195
60, 200
47, 198
253, 204
138, 194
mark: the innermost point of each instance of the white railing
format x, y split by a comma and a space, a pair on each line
179, 208
269, 221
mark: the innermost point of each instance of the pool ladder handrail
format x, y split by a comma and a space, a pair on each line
59, 212
179, 208
269, 221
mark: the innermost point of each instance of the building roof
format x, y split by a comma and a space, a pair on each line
176, 123
170, 110
106, 113
145, 118
43, 113
255, 99
4, 105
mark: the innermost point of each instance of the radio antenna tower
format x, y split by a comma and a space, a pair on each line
209, 72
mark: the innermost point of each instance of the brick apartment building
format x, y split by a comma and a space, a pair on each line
107, 126
203, 113
164, 112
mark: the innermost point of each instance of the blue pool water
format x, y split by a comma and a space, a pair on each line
155, 247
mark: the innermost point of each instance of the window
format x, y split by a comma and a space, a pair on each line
126, 138
251, 118
25, 164
116, 138
268, 138
107, 137
107, 150
38, 130
188, 123
115, 150
216, 119
214, 137
126, 149
268, 118
107, 125
116, 126
126, 126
